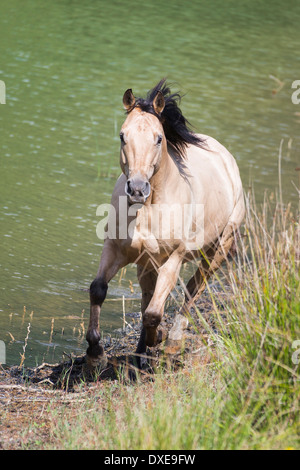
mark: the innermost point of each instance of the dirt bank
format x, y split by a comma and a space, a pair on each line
26, 393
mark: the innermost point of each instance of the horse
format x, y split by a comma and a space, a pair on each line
164, 162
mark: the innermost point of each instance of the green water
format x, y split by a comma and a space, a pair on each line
66, 65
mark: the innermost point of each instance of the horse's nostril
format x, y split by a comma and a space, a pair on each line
128, 188
147, 189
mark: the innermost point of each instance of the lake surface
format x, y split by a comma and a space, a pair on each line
66, 65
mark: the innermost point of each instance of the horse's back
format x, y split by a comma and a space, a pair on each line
216, 184
214, 171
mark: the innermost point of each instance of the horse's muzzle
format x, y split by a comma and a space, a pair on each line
137, 190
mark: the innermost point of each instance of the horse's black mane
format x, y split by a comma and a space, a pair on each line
176, 127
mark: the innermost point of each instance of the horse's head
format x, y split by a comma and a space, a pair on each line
142, 145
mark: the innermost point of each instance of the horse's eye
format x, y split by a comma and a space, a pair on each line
122, 137
159, 139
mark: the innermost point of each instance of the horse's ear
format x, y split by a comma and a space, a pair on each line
158, 102
128, 100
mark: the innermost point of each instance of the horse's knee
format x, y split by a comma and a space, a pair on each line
98, 291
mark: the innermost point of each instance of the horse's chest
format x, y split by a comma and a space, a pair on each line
142, 239
157, 228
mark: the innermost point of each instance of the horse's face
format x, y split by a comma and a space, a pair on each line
142, 145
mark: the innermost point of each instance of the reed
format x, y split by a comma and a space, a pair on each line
23, 355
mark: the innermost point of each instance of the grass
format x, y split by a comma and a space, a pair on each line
246, 395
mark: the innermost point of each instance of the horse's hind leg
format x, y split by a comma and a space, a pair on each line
198, 279
196, 283
212, 261
111, 262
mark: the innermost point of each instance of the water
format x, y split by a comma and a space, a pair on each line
66, 65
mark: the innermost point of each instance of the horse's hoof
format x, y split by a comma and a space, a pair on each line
175, 341
173, 347
95, 357
96, 362
162, 335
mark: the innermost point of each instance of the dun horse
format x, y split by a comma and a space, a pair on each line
165, 163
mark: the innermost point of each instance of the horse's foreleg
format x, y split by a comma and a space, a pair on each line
166, 281
111, 262
147, 280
